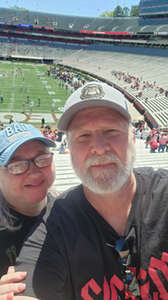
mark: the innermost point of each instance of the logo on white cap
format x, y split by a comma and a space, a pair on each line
92, 91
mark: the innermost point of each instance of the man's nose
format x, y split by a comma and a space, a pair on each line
99, 144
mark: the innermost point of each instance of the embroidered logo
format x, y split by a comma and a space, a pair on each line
92, 91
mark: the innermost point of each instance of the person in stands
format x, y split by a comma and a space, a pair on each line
27, 171
162, 142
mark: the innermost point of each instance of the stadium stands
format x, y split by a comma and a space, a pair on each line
103, 63
31, 48
136, 49
152, 8
76, 23
151, 71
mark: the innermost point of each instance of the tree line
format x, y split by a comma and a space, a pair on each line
122, 12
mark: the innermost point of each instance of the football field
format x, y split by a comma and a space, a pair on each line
23, 83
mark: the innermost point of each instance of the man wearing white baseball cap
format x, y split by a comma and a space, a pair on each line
106, 238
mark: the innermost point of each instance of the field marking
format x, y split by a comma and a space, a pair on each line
34, 86
13, 91
50, 118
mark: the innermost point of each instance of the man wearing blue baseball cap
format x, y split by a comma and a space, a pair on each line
107, 237
27, 171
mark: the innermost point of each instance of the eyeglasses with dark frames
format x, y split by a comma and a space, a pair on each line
21, 166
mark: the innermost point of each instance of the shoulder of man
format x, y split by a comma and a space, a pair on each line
151, 197
155, 179
146, 171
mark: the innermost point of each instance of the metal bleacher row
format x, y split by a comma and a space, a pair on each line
66, 178
156, 103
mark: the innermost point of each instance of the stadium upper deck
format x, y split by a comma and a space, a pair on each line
33, 19
153, 8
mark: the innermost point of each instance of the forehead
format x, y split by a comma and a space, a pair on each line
30, 147
98, 114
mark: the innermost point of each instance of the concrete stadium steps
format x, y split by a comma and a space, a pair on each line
66, 178
65, 175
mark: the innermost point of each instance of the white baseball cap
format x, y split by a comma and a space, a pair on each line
93, 94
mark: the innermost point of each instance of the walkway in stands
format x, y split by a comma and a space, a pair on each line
66, 178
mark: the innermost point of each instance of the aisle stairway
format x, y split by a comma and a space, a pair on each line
65, 176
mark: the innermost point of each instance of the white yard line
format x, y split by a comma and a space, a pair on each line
13, 91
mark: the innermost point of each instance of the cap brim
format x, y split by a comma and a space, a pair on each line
67, 116
11, 149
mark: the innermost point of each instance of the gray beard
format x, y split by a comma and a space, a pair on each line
108, 181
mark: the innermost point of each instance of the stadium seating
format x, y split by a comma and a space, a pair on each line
100, 59
64, 22
148, 68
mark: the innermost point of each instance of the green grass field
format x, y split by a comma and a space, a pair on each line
17, 80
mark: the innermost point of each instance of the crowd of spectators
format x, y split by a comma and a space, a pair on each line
57, 136
66, 78
157, 140
149, 98
139, 84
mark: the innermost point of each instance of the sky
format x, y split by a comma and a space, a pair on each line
89, 8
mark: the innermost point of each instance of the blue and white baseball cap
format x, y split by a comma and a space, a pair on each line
15, 135
93, 94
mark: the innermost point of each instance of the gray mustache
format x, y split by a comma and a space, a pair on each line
106, 158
